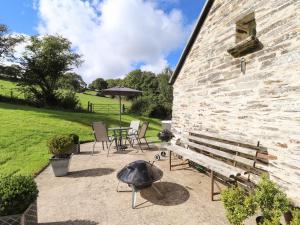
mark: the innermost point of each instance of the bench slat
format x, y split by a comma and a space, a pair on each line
208, 162
223, 154
223, 137
243, 150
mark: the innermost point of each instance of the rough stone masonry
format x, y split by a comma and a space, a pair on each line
261, 104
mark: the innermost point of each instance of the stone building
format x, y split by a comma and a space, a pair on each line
239, 76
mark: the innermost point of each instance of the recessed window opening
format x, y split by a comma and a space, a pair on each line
245, 27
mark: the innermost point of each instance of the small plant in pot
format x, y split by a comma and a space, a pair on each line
76, 142
18, 196
239, 205
271, 200
61, 147
164, 136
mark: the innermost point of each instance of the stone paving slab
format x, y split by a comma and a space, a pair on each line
88, 196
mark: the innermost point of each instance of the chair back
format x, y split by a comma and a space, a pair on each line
100, 131
134, 125
143, 130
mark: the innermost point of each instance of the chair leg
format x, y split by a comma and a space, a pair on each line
109, 148
106, 145
103, 145
212, 184
93, 147
170, 160
140, 144
147, 143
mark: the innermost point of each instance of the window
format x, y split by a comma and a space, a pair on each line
245, 28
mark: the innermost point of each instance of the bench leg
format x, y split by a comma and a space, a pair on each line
170, 158
212, 184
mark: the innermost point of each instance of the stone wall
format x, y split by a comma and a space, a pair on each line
263, 104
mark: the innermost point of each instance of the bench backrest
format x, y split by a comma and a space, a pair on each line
233, 153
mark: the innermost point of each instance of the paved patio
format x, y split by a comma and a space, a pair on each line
88, 196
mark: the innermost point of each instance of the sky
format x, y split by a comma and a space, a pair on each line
113, 36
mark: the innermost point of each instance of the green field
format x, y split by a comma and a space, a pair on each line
24, 132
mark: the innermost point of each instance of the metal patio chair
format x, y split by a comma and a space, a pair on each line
134, 125
101, 135
141, 134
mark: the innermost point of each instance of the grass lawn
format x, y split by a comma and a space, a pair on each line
25, 130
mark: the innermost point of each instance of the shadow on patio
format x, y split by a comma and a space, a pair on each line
173, 194
91, 172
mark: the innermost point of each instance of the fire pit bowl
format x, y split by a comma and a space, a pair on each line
139, 175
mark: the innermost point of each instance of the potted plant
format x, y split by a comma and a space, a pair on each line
238, 204
271, 200
165, 136
61, 147
76, 142
18, 196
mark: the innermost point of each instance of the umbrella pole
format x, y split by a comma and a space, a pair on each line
120, 110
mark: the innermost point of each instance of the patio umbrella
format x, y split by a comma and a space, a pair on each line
121, 91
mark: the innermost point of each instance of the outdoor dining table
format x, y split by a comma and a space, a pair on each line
118, 136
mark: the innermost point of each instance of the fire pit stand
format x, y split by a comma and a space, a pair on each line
139, 175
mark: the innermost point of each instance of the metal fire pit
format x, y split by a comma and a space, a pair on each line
139, 175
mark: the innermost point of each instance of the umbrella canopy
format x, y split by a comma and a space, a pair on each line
121, 91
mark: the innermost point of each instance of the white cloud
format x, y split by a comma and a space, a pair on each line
114, 35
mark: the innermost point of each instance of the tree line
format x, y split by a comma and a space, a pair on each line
157, 97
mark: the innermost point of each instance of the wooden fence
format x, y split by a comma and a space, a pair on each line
12, 93
105, 108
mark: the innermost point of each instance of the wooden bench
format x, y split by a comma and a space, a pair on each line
230, 160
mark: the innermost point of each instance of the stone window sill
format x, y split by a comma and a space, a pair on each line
247, 46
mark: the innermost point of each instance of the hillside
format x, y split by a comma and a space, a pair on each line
25, 130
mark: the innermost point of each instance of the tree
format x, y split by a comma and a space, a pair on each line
72, 81
8, 42
114, 82
98, 84
45, 62
12, 72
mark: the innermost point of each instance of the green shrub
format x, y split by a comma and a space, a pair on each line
296, 217
271, 200
151, 106
75, 138
16, 194
61, 145
238, 205
68, 100
273, 221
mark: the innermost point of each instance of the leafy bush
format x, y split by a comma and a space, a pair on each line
296, 217
271, 200
273, 221
238, 204
61, 145
16, 194
150, 106
69, 100
75, 138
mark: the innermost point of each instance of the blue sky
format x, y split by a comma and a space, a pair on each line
42, 17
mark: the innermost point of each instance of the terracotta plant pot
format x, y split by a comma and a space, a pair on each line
60, 166
288, 217
29, 217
